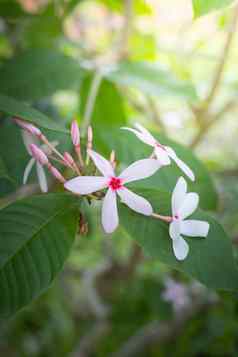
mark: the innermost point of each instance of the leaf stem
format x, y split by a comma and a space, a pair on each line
95, 85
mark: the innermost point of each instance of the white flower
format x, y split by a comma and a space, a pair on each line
84, 185
162, 153
183, 205
29, 139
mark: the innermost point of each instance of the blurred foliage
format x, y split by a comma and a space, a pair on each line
48, 52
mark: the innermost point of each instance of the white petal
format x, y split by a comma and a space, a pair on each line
140, 170
162, 156
41, 177
178, 195
28, 139
146, 133
103, 165
174, 229
184, 167
189, 205
141, 136
110, 218
84, 185
194, 228
28, 170
135, 202
180, 248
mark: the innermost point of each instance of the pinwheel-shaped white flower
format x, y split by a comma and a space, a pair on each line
164, 154
29, 139
84, 185
183, 205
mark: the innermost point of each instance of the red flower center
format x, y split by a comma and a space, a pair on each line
115, 183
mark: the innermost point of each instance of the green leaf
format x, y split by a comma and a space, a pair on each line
108, 108
36, 235
210, 259
203, 7
3, 169
11, 10
128, 149
44, 30
151, 79
19, 109
39, 73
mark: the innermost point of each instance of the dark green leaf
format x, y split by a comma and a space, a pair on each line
19, 109
45, 29
11, 9
129, 148
151, 79
39, 73
210, 259
108, 108
202, 7
36, 235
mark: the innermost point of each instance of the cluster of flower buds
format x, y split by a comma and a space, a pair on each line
183, 203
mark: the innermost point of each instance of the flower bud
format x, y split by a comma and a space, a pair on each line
55, 172
27, 126
75, 134
68, 159
38, 154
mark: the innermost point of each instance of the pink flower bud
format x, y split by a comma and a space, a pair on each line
27, 126
75, 134
90, 134
68, 159
112, 156
38, 154
57, 174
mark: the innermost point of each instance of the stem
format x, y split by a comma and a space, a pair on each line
97, 79
120, 51
166, 219
203, 111
221, 65
126, 30
52, 148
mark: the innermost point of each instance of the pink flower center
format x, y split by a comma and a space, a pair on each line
115, 183
176, 217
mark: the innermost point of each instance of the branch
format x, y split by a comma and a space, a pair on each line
123, 46
119, 51
206, 126
201, 112
160, 332
221, 65
88, 343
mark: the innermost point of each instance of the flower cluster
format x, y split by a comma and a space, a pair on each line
183, 204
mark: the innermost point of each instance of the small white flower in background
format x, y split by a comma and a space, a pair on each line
29, 139
84, 185
183, 205
177, 294
164, 154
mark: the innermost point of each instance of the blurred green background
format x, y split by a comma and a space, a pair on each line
178, 76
